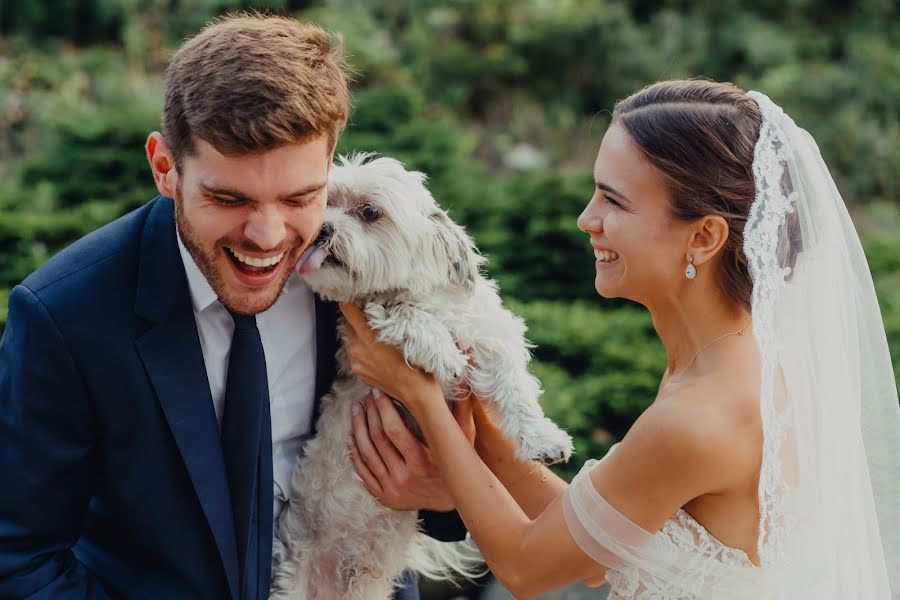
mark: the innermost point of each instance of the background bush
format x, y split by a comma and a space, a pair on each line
501, 102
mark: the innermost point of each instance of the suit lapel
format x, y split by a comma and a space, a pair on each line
326, 347
173, 358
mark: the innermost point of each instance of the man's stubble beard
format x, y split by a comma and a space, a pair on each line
206, 262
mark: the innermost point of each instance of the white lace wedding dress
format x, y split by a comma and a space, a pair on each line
681, 561
829, 488
685, 533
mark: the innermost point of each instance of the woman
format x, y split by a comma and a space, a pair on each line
767, 465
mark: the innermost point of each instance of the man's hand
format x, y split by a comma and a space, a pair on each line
394, 466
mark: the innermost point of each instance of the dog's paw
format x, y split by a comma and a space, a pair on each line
424, 339
449, 366
547, 443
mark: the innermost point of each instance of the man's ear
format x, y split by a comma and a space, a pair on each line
707, 238
162, 164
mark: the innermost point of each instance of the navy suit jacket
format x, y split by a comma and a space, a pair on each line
112, 481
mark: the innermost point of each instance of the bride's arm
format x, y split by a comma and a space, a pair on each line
674, 453
531, 484
380, 438
527, 555
666, 460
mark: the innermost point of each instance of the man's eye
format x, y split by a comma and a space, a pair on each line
369, 213
298, 201
226, 201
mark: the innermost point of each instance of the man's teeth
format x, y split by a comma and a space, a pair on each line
605, 255
257, 262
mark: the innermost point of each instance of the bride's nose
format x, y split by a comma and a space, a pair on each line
590, 220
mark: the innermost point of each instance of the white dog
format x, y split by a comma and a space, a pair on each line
389, 248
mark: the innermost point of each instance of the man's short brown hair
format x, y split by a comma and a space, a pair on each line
251, 83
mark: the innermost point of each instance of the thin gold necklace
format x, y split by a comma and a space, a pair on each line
697, 353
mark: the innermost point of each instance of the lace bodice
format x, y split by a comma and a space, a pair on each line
682, 531
682, 561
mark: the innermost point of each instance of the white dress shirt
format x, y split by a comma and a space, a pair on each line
288, 333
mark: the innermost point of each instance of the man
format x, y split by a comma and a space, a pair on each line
158, 377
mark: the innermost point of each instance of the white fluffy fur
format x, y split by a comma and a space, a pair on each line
416, 274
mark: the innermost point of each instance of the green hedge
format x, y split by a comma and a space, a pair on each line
451, 87
600, 367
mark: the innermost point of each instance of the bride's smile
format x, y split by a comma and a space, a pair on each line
733, 483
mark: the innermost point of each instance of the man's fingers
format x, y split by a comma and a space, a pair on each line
383, 443
369, 480
394, 426
398, 433
367, 450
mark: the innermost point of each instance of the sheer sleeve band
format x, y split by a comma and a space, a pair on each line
602, 532
682, 559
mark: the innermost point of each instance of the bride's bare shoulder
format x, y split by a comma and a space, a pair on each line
692, 441
711, 428
722, 401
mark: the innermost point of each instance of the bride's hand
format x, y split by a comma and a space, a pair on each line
490, 442
382, 366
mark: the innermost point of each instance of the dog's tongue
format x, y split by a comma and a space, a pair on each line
311, 259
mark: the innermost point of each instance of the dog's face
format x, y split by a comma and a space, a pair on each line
383, 232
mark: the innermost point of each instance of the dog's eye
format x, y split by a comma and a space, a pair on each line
369, 213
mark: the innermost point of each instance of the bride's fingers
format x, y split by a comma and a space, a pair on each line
462, 411
356, 321
463, 391
367, 450
351, 314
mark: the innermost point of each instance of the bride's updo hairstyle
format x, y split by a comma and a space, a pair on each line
701, 136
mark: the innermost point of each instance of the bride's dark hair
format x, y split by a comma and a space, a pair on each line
701, 136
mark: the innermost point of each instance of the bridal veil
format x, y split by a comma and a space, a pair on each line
829, 489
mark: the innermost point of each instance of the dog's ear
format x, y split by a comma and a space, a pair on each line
462, 258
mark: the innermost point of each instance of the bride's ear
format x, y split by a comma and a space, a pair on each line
708, 236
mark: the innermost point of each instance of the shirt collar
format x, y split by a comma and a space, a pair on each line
202, 294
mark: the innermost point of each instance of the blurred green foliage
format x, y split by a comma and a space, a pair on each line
459, 89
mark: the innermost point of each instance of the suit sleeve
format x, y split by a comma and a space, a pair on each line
443, 526
47, 440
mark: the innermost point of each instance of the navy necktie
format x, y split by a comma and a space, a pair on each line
247, 446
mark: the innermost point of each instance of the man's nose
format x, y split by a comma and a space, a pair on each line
265, 228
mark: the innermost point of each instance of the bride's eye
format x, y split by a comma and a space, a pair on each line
610, 200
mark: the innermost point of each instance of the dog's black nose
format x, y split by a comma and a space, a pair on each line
325, 234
